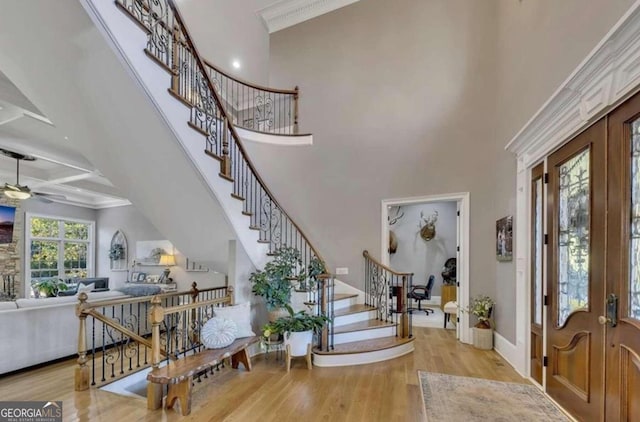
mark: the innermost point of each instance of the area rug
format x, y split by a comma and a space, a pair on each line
450, 398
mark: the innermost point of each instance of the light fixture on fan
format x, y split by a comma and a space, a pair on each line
22, 192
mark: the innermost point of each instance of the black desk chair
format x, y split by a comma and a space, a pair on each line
421, 293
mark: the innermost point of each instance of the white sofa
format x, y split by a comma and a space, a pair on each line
34, 331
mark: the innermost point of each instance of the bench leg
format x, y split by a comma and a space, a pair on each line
241, 357
182, 392
288, 357
154, 396
309, 366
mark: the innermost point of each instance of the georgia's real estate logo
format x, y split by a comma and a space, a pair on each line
30, 411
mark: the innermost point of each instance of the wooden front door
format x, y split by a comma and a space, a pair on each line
537, 242
622, 318
576, 204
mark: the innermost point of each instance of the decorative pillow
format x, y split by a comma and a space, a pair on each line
85, 288
140, 290
218, 332
241, 315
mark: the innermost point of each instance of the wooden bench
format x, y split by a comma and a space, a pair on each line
178, 375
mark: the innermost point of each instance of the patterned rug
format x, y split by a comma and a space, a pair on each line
462, 399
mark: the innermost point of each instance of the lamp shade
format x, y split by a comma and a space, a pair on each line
168, 260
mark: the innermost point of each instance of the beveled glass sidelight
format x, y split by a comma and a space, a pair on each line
634, 229
573, 235
537, 261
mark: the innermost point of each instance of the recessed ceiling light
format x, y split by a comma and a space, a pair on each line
236, 64
66, 138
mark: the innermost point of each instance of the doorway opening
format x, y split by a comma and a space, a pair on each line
428, 236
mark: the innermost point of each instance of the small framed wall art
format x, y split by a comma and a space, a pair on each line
504, 239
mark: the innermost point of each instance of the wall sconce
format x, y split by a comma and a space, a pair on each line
168, 261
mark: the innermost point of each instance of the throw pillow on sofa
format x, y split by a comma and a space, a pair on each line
218, 332
241, 315
85, 288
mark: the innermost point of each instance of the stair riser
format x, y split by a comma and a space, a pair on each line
357, 317
344, 303
363, 358
364, 335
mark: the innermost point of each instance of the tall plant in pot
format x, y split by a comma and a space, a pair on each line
298, 329
274, 282
482, 308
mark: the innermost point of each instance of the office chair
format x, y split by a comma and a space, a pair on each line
421, 293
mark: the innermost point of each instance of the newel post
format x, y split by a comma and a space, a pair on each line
402, 307
295, 110
225, 163
156, 316
175, 69
193, 333
230, 294
82, 371
324, 309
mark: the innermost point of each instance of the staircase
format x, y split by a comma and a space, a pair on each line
198, 107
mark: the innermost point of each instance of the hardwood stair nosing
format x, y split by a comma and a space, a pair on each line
159, 62
132, 17
180, 98
227, 178
248, 214
264, 241
372, 345
213, 155
254, 228
353, 309
238, 197
198, 129
346, 296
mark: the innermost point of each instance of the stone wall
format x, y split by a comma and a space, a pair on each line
11, 287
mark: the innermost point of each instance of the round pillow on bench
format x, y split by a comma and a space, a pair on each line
218, 332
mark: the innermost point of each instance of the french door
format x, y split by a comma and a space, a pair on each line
576, 205
622, 316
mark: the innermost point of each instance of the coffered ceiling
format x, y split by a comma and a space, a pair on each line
58, 168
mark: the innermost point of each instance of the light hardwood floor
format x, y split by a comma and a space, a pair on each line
386, 391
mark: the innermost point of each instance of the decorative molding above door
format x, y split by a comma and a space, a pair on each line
286, 13
609, 75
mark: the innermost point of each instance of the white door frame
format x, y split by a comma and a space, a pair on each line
462, 198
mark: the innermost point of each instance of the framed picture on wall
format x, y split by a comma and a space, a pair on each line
7, 218
134, 276
504, 239
141, 277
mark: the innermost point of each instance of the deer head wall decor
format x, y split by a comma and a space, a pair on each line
393, 240
427, 226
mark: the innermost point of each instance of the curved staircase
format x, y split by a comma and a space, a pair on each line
198, 105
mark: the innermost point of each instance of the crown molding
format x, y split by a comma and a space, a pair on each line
609, 75
286, 13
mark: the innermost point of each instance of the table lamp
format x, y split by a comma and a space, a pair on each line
168, 261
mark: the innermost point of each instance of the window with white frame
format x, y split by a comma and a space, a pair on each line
57, 248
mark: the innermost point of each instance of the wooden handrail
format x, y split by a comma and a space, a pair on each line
117, 301
195, 305
231, 126
379, 264
113, 324
250, 84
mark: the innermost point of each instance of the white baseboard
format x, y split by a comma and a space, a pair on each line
507, 350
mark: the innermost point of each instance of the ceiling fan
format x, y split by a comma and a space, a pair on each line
18, 191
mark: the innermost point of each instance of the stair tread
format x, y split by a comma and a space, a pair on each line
353, 309
340, 296
369, 324
364, 346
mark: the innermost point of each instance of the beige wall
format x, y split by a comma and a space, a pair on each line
420, 99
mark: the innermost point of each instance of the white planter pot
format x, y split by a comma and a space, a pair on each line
483, 338
298, 342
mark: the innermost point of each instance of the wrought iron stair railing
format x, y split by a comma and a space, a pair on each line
114, 335
193, 83
386, 290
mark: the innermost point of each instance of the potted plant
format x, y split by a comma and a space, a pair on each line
297, 328
116, 252
482, 307
314, 269
273, 283
49, 287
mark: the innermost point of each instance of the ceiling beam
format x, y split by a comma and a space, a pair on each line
67, 179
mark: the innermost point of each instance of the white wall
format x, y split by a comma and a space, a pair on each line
136, 227
418, 256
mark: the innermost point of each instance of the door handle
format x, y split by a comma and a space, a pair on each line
612, 311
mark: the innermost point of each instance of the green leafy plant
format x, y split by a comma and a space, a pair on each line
482, 307
274, 282
50, 287
314, 269
296, 322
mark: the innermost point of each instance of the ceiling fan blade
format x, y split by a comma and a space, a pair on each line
48, 195
43, 199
